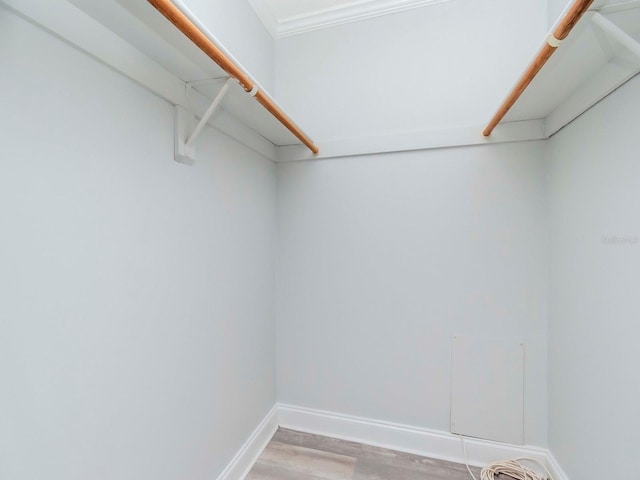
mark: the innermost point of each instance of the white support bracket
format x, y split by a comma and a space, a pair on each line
618, 7
185, 137
616, 33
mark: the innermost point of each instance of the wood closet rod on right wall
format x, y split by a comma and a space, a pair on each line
568, 21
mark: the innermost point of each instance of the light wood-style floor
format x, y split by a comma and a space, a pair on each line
301, 456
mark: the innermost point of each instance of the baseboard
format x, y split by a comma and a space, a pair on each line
239, 467
555, 469
419, 441
404, 438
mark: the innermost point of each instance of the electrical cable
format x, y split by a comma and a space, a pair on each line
513, 468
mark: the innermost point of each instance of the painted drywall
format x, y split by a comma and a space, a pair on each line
137, 309
239, 29
383, 258
595, 305
440, 66
555, 9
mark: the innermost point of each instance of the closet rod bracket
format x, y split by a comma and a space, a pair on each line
185, 137
614, 32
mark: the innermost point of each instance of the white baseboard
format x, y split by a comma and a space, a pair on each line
555, 469
239, 467
404, 438
419, 441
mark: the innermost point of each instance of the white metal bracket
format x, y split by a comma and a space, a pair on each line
185, 135
616, 33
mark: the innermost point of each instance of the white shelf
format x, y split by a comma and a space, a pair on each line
587, 66
133, 38
137, 22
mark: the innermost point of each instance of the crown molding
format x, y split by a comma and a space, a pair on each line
328, 17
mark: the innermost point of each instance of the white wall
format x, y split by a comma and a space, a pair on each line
239, 29
440, 66
382, 259
137, 310
595, 305
555, 9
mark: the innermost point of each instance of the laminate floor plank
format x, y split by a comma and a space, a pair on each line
362, 451
306, 462
266, 472
372, 470
319, 442
302, 456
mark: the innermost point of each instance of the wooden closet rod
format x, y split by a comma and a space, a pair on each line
186, 26
568, 21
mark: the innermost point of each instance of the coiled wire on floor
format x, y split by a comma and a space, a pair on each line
513, 468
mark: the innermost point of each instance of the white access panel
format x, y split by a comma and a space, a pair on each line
487, 389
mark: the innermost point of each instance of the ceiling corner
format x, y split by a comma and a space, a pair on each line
265, 14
